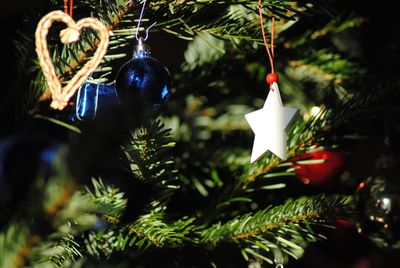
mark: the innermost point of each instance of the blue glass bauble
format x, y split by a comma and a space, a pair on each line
93, 98
144, 77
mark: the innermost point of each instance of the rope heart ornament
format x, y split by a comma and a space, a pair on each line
60, 95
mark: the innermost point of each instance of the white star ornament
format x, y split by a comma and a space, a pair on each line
269, 125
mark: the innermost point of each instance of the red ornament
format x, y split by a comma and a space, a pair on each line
345, 230
271, 78
323, 173
344, 223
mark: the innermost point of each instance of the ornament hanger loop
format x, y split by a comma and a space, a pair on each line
270, 52
140, 21
69, 9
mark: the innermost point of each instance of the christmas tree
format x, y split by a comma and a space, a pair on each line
114, 157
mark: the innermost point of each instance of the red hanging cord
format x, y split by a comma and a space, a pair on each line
69, 9
272, 77
272, 36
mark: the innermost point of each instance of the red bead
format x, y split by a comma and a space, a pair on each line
271, 78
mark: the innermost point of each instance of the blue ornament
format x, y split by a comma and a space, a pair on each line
93, 98
144, 77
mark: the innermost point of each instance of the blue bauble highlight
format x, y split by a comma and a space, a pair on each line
93, 98
144, 77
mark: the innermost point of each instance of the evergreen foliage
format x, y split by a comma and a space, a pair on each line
194, 156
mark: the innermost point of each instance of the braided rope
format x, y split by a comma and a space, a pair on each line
61, 95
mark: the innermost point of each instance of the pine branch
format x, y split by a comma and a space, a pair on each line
150, 160
31, 246
60, 213
61, 247
109, 201
286, 227
59, 250
324, 67
152, 230
15, 245
324, 31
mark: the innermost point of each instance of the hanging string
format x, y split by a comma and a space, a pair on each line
272, 35
269, 51
140, 21
69, 9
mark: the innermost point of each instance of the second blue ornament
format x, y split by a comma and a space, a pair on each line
144, 77
92, 98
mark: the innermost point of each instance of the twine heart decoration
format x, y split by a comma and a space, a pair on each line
60, 95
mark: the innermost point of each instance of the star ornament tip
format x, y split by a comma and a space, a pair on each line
269, 125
